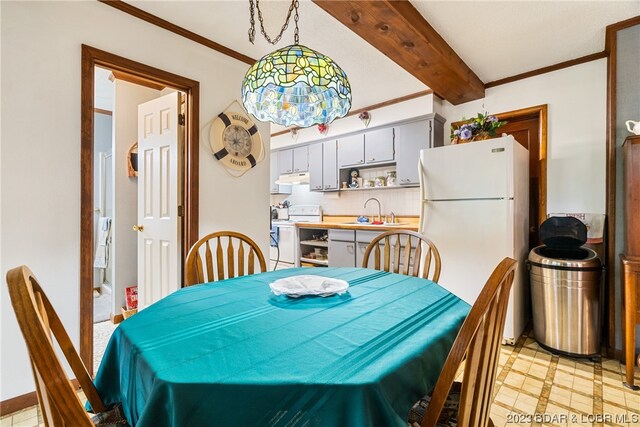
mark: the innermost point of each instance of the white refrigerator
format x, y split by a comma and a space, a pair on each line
475, 208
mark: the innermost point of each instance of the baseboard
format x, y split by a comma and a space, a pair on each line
18, 403
116, 318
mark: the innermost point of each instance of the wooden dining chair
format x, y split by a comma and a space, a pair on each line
40, 325
223, 258
399, 250
468, 404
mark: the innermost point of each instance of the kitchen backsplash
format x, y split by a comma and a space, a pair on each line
402, 201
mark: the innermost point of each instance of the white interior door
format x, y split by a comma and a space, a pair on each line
158, 231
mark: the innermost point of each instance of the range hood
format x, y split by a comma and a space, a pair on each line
293, 179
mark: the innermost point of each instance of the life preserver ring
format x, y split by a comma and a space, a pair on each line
235, 141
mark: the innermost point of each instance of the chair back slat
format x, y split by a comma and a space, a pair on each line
410, 256
396, 255
221, 275
417, 261
407, 255
209, 257
241, 259
40, 326
197, 267
387, 254
252, 254
230, 258
478, 343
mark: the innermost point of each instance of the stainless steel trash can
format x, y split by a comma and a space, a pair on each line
565, 289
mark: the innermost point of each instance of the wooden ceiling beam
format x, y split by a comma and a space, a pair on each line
399, 31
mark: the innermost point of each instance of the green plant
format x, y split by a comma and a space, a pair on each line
482, 126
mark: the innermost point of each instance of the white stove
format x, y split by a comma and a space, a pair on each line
286, 235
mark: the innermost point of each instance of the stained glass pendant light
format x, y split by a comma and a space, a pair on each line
294, 85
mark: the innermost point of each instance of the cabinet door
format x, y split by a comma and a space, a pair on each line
342, 254
301, 159
273, 169
351, 151
285, 161
378, 146
274, 173
315, 167
410, 139
330, 176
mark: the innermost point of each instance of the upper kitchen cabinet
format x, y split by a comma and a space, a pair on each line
323, 166
285, 162
301, 159
351, 151
274, 172
330, 175
293, 160
378, 146
410, 139
315, 167
366, 149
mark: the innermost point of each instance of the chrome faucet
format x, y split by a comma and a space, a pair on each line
393, 218
379, 207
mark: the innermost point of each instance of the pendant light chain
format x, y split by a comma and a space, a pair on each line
252, 29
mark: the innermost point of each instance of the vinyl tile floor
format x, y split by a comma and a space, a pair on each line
533, 388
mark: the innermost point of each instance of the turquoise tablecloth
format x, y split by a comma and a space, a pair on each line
233, 354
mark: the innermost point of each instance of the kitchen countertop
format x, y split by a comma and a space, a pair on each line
365, 226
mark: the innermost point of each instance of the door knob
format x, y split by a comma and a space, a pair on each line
138, 228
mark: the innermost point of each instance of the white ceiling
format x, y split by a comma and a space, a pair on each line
496, 39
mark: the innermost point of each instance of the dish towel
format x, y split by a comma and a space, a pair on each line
101, 259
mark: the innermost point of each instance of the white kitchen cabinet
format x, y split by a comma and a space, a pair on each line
301, 159
316, 167
351, 151
285, 161
378, 146
412, 137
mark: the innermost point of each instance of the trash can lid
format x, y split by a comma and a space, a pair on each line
563, 232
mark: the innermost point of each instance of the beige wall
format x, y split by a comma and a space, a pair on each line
576, 97
40, 146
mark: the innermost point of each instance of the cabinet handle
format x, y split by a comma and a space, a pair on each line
350, 249
296, 170
373, 159
318, 187
360, 161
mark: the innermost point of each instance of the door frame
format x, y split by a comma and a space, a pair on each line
92, 57
539, 111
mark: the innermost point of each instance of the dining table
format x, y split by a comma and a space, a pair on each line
233, 353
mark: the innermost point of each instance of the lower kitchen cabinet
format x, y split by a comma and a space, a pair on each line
342, 248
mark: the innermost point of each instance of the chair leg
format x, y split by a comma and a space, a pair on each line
491, 423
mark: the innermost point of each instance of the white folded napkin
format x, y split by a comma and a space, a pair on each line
297, 286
